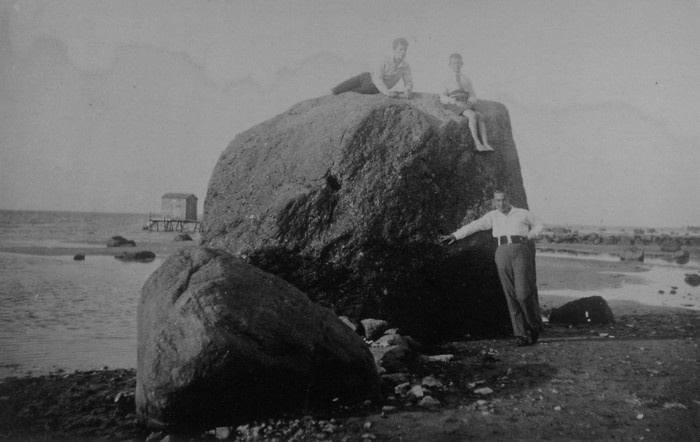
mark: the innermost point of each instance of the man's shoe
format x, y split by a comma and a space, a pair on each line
534, 336
521, 341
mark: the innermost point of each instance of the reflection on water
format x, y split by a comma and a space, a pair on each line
59, 313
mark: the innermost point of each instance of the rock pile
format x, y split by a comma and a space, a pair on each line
394, 356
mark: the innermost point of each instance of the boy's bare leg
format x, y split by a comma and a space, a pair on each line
482, 132
471, 116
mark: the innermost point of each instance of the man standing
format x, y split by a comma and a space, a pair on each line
514, 229
386, 74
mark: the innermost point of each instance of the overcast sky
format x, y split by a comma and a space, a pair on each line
107, 105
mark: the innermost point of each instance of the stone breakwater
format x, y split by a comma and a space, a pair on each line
636, 237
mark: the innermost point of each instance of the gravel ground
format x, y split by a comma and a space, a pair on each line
635, 380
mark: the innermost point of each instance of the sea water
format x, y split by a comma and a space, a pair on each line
58, 313
655, 282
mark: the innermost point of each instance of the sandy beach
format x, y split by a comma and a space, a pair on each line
634, 380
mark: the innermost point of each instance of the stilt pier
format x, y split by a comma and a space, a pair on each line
171, 224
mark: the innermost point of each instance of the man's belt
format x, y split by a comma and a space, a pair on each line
514, 239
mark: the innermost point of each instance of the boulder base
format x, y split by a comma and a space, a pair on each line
221, 342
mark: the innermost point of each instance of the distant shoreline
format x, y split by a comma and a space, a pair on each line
166, 248
159, 248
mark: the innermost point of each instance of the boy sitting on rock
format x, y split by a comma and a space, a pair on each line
385, 76
458, 96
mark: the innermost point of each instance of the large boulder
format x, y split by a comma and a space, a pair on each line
221, 342
344, 197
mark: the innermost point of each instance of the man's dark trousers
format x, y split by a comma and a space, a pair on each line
517, 272
362, 84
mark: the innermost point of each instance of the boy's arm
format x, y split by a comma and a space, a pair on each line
472, 94
407, 79
378, 77
445, 97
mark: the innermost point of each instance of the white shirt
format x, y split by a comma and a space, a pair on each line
517, 222
451, 84
388, 73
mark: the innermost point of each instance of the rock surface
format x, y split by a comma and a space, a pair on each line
344, 196
220, 341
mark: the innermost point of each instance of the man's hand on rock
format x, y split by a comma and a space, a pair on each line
446, 239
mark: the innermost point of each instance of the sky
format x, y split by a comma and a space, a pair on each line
107, 105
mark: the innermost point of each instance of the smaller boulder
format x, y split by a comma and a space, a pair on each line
692, 279
143, 256
182, 237
632, 254
357, 328
392, 359
374, 328
625, 241
79, 257
120, 241
388, 340
590, 310
670, 245
413, 344
429, 402
681, 257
